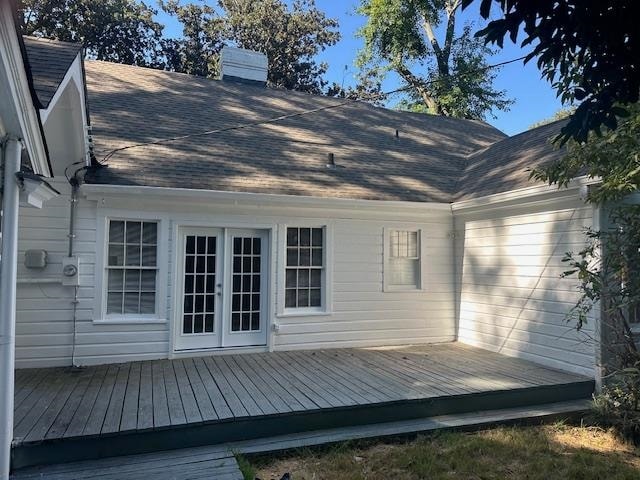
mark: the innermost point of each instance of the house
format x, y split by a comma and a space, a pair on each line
350, 226
203, 217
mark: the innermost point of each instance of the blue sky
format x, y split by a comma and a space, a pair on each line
534, 98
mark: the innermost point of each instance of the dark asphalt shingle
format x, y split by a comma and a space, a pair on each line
133, 105
506, 164
49, 61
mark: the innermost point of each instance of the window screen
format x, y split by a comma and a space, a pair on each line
304, 267
132, 252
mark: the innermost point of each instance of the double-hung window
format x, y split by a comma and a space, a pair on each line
403, 263
132, 268
305, 268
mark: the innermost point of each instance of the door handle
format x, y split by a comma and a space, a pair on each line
218, 289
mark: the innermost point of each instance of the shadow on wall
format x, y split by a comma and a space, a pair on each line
510, 297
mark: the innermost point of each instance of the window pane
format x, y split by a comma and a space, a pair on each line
148, 280
316, 235
412, 244
291, 279
303, 298
292, 257
290, 298
133, 256
116, 255
132, 280
116, 280
305, 237
150, 233
405, 272
134, 230
191, 245
131, 302
147, 303
316, 278
149, 256
316, 257
114, 303
303, 277
315, 297
305, 257
116, 231
292, 237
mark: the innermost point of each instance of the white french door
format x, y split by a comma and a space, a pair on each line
222, 277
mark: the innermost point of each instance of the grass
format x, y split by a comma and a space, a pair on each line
532, 453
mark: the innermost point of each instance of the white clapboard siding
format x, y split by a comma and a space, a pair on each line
44, 323
511, 297
361, 314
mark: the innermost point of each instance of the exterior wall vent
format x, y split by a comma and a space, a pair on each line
243, 66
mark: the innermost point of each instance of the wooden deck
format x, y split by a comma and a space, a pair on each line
65, 414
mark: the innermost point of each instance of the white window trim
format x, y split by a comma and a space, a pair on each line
386, 256
100, 306
327, 287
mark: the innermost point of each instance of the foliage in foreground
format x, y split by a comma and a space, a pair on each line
588, 49
534, 453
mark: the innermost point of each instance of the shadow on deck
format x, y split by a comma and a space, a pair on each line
65, 414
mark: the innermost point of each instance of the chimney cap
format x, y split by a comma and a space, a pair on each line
243, 66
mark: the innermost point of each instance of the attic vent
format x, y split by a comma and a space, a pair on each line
331, 160
243, 66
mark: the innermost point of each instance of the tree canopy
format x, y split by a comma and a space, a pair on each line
445, 76
122, 31
588, 49
290, 36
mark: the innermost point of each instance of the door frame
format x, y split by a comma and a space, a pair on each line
228, 337
271, 231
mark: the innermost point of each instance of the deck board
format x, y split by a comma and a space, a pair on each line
280, 390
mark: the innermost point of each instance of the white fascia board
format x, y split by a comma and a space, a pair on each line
98, 192
26, 115
550, 193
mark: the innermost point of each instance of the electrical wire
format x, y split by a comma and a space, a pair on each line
279, 118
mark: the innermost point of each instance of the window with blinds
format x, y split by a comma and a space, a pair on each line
403, 266
132, 267
305, 264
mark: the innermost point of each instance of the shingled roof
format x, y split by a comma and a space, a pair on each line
49, 61
506, 165
133, 105
433, 159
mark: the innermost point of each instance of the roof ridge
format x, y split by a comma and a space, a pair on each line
422, 116
53, 40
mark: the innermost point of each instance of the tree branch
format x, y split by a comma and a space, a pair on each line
427, 97
451, 10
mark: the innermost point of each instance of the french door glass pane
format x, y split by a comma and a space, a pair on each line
199, 284
245, 293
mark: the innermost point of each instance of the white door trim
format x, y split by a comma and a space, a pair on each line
223, 305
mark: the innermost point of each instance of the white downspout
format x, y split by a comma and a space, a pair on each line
8, 273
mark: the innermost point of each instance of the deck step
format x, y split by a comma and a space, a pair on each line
212, 462
217, 461
464, 421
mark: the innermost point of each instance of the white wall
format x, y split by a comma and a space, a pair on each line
511, 299
361, 313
